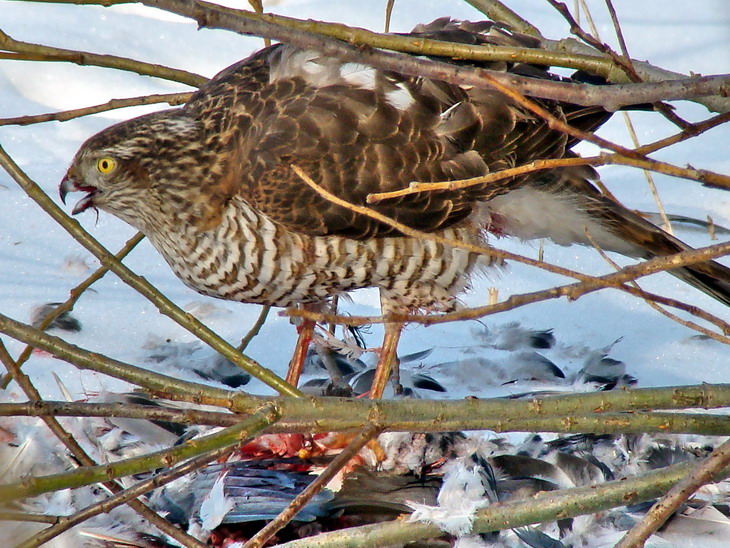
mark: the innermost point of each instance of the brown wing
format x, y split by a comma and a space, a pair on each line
353, 142
355, 131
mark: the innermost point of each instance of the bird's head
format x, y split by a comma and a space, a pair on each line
135, 169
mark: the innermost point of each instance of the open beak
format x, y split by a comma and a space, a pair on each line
69, 184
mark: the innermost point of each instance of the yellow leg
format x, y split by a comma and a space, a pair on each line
387, 360
306, 330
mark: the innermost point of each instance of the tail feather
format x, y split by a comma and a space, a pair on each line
710, 283
709, 277
563, 205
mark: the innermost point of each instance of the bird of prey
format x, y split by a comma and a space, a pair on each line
213, 185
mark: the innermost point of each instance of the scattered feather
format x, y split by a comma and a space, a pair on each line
75, 265
216, 505
65, 321
198, 359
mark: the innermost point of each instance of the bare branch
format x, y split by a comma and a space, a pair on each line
187, 416
227, 438
171, 99
336, 40
498, 11
338, 463
708, 178
255, 328
542, 507
75, 294
124, 497
78, 452
654, 301
600, 413
712, 469
48, 53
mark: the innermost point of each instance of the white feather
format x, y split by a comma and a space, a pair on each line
534, 214
461, 495
216, 505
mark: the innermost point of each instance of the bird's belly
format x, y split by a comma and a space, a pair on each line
270, 265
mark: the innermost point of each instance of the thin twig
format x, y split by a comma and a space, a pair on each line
339, 462
498, 11
82, 359
652, 301
663, 108
48, 53
388, 13
349, 44
74, 296
123, 497
406, 230
226, 438
484, 1
540, 508
624, 63
617, 28
710, 470
7, 515
258, 7
687, 133
171, 99
307, 33
614, 280
669, 261
255, 328
721, 181
721, 324
82, 457
709, 91
649, 177
187, 416
627, 118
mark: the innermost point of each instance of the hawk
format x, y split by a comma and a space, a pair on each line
212, 183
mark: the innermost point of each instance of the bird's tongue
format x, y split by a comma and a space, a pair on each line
83, 204
70, 185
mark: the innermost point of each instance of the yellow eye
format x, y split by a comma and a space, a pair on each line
106, 165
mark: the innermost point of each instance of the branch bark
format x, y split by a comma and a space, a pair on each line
171, 99
230, 437
40, 52
708, 471
68, 305
543, 507
357, 45
337, 414
333, 468
104, 506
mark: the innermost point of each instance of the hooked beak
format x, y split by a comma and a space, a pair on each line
69, 184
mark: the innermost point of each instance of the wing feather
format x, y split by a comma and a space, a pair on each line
356, 130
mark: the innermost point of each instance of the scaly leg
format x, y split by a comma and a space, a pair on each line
305, 330
387, 360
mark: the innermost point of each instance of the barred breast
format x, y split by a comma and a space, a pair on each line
249, 258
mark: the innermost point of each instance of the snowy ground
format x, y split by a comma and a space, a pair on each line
40, 262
